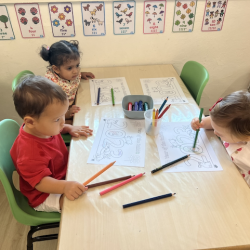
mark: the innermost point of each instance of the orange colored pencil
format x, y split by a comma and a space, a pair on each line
156, 117
98, 173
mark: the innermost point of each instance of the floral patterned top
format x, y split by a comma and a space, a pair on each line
69, 87
240, 155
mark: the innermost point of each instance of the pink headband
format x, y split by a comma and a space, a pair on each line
215, 104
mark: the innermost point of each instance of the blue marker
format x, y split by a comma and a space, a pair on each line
145, 106
140, 108
136, 106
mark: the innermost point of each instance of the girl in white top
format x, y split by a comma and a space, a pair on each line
230, 120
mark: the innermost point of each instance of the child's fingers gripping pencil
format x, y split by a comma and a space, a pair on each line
197, 131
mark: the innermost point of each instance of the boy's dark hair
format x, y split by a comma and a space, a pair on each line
233, 112
60, 52
34, 93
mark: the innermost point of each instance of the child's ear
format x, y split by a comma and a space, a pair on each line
55, 69
29, 122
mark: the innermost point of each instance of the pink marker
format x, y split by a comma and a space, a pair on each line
130, 106
121, 184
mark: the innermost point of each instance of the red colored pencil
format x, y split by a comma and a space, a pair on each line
164, 111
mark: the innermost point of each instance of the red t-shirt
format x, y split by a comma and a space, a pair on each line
35, 158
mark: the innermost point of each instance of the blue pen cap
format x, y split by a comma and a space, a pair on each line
140, 107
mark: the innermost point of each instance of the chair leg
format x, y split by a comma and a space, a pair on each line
34, 229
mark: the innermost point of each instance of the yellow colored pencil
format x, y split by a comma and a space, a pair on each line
153, 118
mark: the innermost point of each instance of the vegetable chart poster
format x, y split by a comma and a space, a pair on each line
184, 15
6, 31
124, 18
154, 17
214, 15
93, 18
29, 19
62, 21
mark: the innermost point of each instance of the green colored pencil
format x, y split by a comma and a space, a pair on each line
113, 98
197, 131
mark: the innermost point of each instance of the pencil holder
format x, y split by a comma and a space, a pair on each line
152, 126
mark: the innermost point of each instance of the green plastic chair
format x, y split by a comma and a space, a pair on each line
195, 77
20, 208
15, 82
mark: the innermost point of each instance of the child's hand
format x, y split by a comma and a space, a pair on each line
196, 124
72, 110
85, 75
73, 190
76, 131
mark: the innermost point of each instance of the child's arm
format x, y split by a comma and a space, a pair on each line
77, 131
85, 75
71, 189
205, 123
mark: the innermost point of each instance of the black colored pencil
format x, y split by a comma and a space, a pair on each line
147, 200
98, 95
110, 181
168, 164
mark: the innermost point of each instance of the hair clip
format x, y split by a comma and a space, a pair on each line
47, 47
215, 104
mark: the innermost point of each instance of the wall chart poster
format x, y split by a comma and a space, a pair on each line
29, 19
176, 139
184, 15
120, 140
6, 31
124, 18
62, 20
214, 15
154, 17
93, 18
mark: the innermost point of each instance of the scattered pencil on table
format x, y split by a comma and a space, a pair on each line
148, 200
98, 173
121, 184
163, 105
197, 131
98, 96
109, 181
169, 164
113, 98
164, 111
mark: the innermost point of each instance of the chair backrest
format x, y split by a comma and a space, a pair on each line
18, 77
20, 208
195, 77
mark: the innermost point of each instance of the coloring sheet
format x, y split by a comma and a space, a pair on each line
154, 17
176, 139
62, 20
29, 19
184, 15
93, 18
120, 140
161, 88
119, 85
214, 15
6, 31
124, 17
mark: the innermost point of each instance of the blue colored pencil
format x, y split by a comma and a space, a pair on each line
163, 105
98, 95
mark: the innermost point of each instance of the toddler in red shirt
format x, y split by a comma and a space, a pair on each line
39, 152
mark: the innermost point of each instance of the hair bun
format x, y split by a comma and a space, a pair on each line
44, 53
74, 43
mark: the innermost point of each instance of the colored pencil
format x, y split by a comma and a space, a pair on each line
153, 117
98, 95
163, 105
148, 200
156, 117
113, 98
98, 173
197, 130
121, 184
110, 181
164, 111
170, 163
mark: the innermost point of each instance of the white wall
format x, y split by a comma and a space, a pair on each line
225, 54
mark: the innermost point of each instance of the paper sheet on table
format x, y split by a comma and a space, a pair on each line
161, 88
176, 140
120, 140
119, 86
